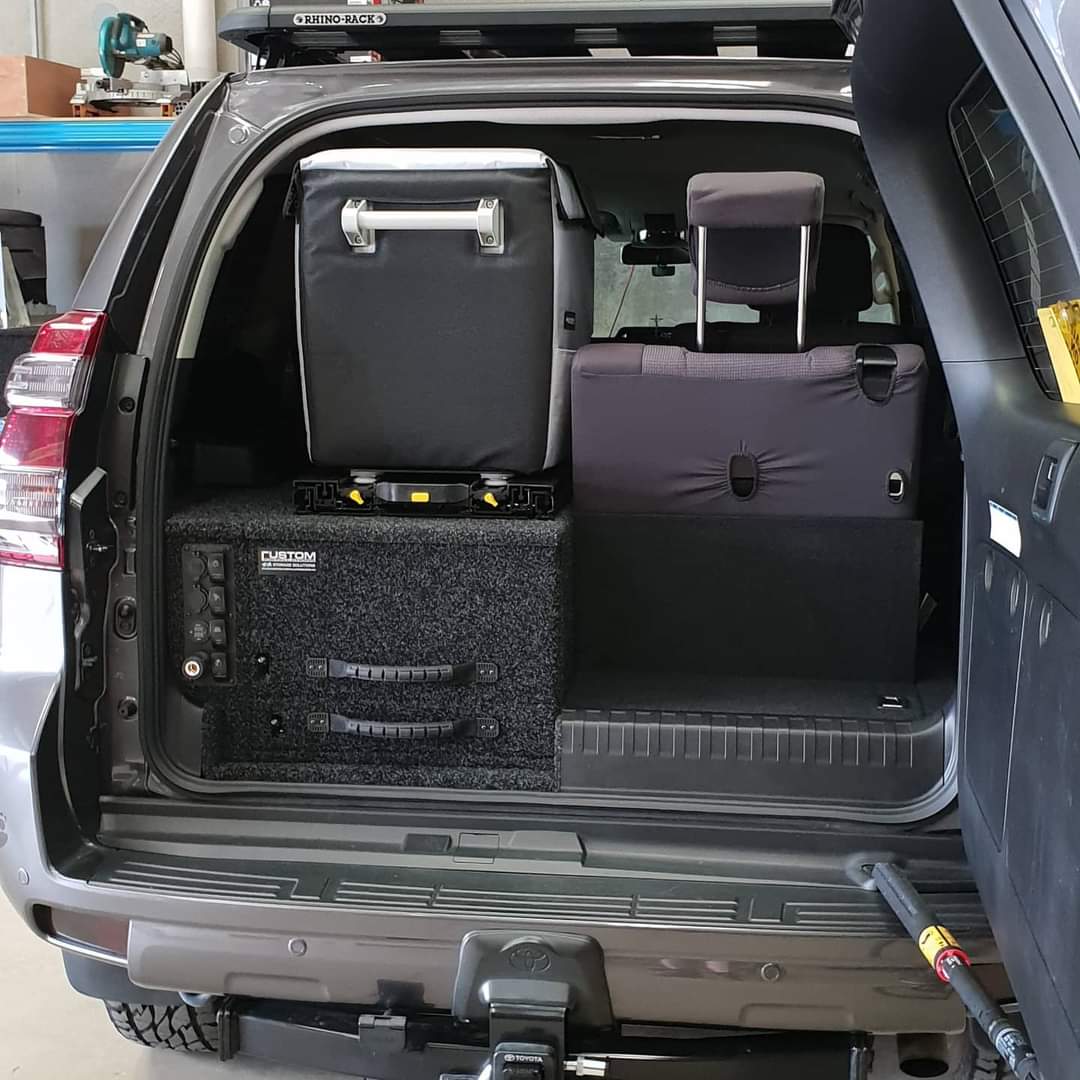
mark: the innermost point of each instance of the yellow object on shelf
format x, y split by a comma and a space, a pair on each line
1061, 328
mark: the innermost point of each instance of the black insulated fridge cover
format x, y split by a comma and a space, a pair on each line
441, 295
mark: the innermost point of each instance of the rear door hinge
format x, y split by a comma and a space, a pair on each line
92, 551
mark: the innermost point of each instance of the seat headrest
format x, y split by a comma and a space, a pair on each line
764, 200
753, 222
845, 278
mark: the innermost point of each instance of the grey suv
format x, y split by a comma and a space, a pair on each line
579, 763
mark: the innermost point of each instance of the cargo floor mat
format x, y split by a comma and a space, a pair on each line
799, 741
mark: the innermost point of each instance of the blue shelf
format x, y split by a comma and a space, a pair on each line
80, 136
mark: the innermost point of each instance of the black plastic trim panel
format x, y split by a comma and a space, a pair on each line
893, 759
645, 901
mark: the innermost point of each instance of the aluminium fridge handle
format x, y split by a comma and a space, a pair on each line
360, 223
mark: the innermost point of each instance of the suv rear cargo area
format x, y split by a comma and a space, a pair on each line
780, 663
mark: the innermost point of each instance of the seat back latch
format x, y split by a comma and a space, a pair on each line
875, 371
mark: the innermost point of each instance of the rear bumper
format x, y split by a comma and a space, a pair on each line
683, 948
733, 925
663, 975
307, 950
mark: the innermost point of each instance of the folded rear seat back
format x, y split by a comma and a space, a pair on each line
829, 432
748, 500
441, 295
662, 429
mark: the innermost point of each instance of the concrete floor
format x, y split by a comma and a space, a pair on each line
48, 1031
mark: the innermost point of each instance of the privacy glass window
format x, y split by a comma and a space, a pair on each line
1023, 227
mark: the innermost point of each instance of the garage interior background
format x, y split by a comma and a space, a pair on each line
78, 193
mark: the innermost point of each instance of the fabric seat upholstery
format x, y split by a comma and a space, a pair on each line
825, 432
657, 429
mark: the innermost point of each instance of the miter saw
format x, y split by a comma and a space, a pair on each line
125, 39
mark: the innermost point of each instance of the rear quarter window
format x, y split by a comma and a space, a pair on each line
1017, 212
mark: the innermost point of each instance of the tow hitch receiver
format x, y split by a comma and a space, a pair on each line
525, 1061
524, 989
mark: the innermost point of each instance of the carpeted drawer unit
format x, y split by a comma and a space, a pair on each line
378, 651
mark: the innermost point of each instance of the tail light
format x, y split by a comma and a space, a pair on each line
45, 391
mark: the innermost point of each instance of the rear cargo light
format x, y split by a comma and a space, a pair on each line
45, 391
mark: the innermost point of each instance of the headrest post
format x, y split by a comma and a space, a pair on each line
702, 284
804, 286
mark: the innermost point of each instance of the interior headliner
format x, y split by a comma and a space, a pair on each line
631, 169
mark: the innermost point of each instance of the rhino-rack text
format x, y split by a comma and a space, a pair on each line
343, 19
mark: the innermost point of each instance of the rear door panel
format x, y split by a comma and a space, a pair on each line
1019, 784
1020, 711
998, 606
1041, 836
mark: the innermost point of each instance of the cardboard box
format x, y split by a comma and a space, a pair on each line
31, 87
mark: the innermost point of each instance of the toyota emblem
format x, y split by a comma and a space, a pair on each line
530, 958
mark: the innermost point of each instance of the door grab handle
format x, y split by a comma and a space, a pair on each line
1048, 481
